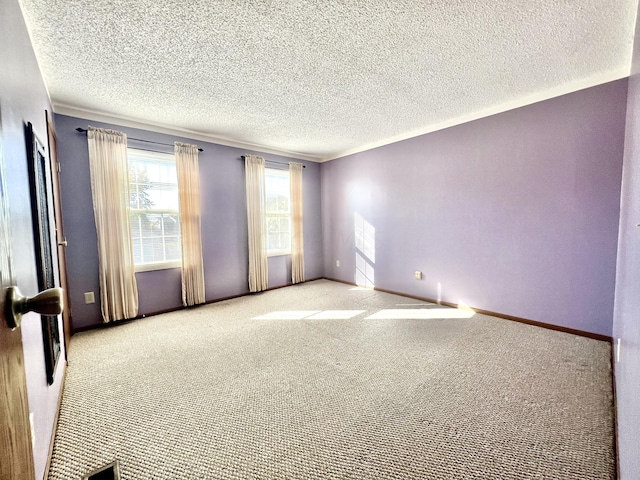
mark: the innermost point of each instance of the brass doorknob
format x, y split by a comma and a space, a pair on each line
48, 302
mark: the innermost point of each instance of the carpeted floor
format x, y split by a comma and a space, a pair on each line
215, 393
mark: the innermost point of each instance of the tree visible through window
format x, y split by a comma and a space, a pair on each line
154, 205
278, 212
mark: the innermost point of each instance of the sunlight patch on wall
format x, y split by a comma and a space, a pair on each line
365, 243
365, 237
365, 274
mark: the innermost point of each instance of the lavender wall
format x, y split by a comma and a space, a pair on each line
626, 323
23, 98
224, 225
515, 213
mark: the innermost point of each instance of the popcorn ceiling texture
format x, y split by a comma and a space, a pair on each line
321, 77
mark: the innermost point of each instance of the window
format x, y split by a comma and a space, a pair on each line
278, 212
155, 211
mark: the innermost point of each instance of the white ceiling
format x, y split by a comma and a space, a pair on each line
317, 79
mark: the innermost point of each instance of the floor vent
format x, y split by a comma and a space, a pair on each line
108, 472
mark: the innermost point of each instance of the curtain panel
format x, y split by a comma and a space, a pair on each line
258, 267
110, 191
297, 234
190, 224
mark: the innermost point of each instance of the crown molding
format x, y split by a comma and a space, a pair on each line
548, 94
97, 116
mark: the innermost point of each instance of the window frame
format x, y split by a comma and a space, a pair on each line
157, 157
269, 171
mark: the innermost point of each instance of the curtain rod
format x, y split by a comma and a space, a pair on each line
273, 161
84, 130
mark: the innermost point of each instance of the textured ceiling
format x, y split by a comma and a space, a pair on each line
320, 78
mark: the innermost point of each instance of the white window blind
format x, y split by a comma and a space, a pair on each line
155, 210
278, 212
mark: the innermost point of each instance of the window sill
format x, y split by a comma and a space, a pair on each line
278, 253
148, 267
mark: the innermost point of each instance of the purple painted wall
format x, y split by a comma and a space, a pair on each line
224, 225
23, 98
626, 323
516, 213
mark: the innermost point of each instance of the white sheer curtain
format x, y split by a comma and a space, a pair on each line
190, 226
110, 188
297, 234
254, 172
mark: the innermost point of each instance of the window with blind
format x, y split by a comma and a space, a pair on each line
277, 212
155, 212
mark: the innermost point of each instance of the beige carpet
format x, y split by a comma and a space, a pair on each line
216, 393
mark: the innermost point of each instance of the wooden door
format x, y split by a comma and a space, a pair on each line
61, 240
16, 451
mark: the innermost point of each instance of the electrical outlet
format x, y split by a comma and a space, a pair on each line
89, 297
418, 275
337, 263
